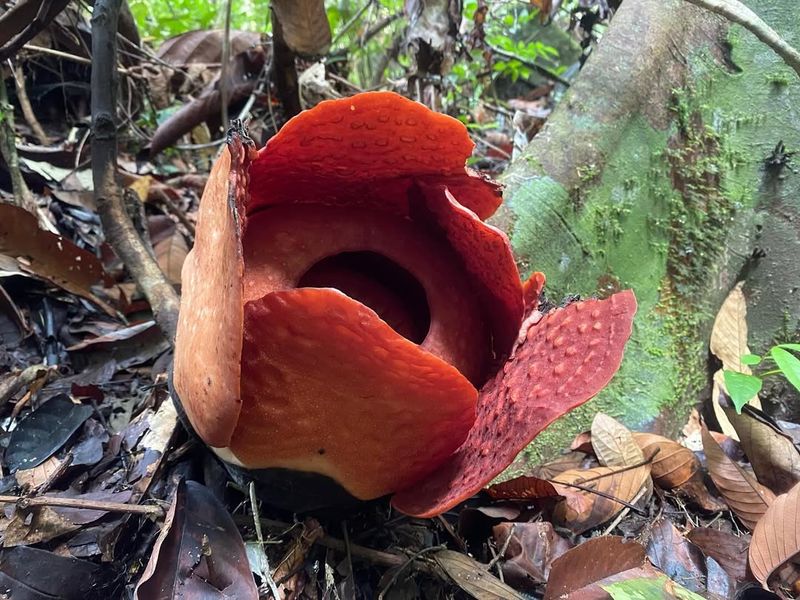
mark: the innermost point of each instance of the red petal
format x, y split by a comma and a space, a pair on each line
565, 359
486, 253
365, 151
328, 387
208, 347
284, 242
532, 290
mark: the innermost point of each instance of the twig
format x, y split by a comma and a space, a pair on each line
544, 71
403, 567
173, 209
224, 88
25, 502
75, 58
27, 109
351, 22
27, 376
501, 553
117, 225
260, 538
8, 148
735, 11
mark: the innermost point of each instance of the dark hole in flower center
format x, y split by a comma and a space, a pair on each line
379, 283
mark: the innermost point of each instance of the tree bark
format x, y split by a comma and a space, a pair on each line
117, 225
650, 174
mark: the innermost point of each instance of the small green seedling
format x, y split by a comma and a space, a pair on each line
742, 387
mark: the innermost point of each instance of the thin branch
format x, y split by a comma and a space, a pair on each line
735, 11
25, 502
117, 224
8, 148
543, 71
224, 84
27, 109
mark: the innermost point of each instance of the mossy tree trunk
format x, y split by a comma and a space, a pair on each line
651, 174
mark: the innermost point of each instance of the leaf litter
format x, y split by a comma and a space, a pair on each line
100, 485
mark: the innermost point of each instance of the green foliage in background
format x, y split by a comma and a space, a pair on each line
161, 19
742, 387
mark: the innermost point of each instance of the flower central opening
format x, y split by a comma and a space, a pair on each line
379, 283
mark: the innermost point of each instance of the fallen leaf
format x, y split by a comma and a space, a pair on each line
776, 538
31, 479
522, 488
170, 254
747, 498
729, 550
729, 343
305, 25
472, 577
672, 464
582, 443
39, 435
565, 462
622, 484
33, 574
529, 553
613, 443
199, 552
590, 562
772, 453
677, 557
50, 256
652, 588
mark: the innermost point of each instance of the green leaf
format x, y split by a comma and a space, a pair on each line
741, 388
789, 365
751, 359
795, 347
645, 588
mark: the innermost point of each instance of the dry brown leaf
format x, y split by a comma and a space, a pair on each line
729, 333
776, 538
728, 550
582, 443
613, 443
670, 552
584, 508
672, 464
565, 462
522, 488
529, 553
773, 455
50, 256
592, 561
305, 25
32, 478
170, 254
728, 343
472, 577
747, 498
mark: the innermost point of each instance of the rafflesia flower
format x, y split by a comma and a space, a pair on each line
347, 312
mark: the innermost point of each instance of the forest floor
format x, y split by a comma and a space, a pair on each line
103, 490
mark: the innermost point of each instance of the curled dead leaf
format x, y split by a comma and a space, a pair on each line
529, 553
672, 463
591, 504
772, 453
776, 538
747, 498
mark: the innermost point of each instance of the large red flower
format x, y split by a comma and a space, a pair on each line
344, 303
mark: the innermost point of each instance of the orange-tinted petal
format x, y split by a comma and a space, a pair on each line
486, 254
565, 359
282, 243
329, 387
208, 345
366, 151
532, 290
